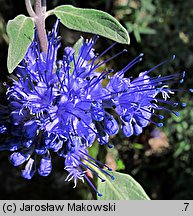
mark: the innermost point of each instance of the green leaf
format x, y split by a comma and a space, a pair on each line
146, 30
77, 47
93, 152
123, 187
129, 26
21, 33
137, 35
120, 165
92, 21
138, 146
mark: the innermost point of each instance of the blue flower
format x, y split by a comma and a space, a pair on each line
63, 107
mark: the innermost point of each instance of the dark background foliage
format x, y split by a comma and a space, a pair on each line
161, 160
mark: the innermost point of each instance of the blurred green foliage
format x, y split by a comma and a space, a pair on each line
137, 16
159, 29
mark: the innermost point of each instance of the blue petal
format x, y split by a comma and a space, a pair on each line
110, 124
127, 118
28, 143
141, 121
137, 129
103, 139
127, 129
69, 51
41, 151
56, 146
142, 118
30, 129
29, 170
91, 138
17, 158
45, 167
97, 111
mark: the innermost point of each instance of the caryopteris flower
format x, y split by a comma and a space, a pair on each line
63, 107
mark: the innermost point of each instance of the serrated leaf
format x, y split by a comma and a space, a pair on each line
21, 33
92, 21
123, 187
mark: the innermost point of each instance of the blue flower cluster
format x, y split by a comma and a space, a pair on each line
63, 107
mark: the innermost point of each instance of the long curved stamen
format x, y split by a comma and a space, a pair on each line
172, 111
104, 62
131, 64
96, 161
101, 77
162, 63
87, 167
93, 41
102, 170
93, 187
160, 124
152, 113
104, 52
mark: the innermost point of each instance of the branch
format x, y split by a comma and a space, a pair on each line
29, 8
40, 24
44, 6
38, 7
39, 18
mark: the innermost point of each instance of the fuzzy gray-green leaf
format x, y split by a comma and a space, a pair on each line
21, 33
92, 21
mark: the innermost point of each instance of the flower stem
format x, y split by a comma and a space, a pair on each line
39, 18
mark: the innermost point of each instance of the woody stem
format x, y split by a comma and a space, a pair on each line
39, 18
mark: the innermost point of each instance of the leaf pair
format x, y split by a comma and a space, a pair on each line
21, 29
